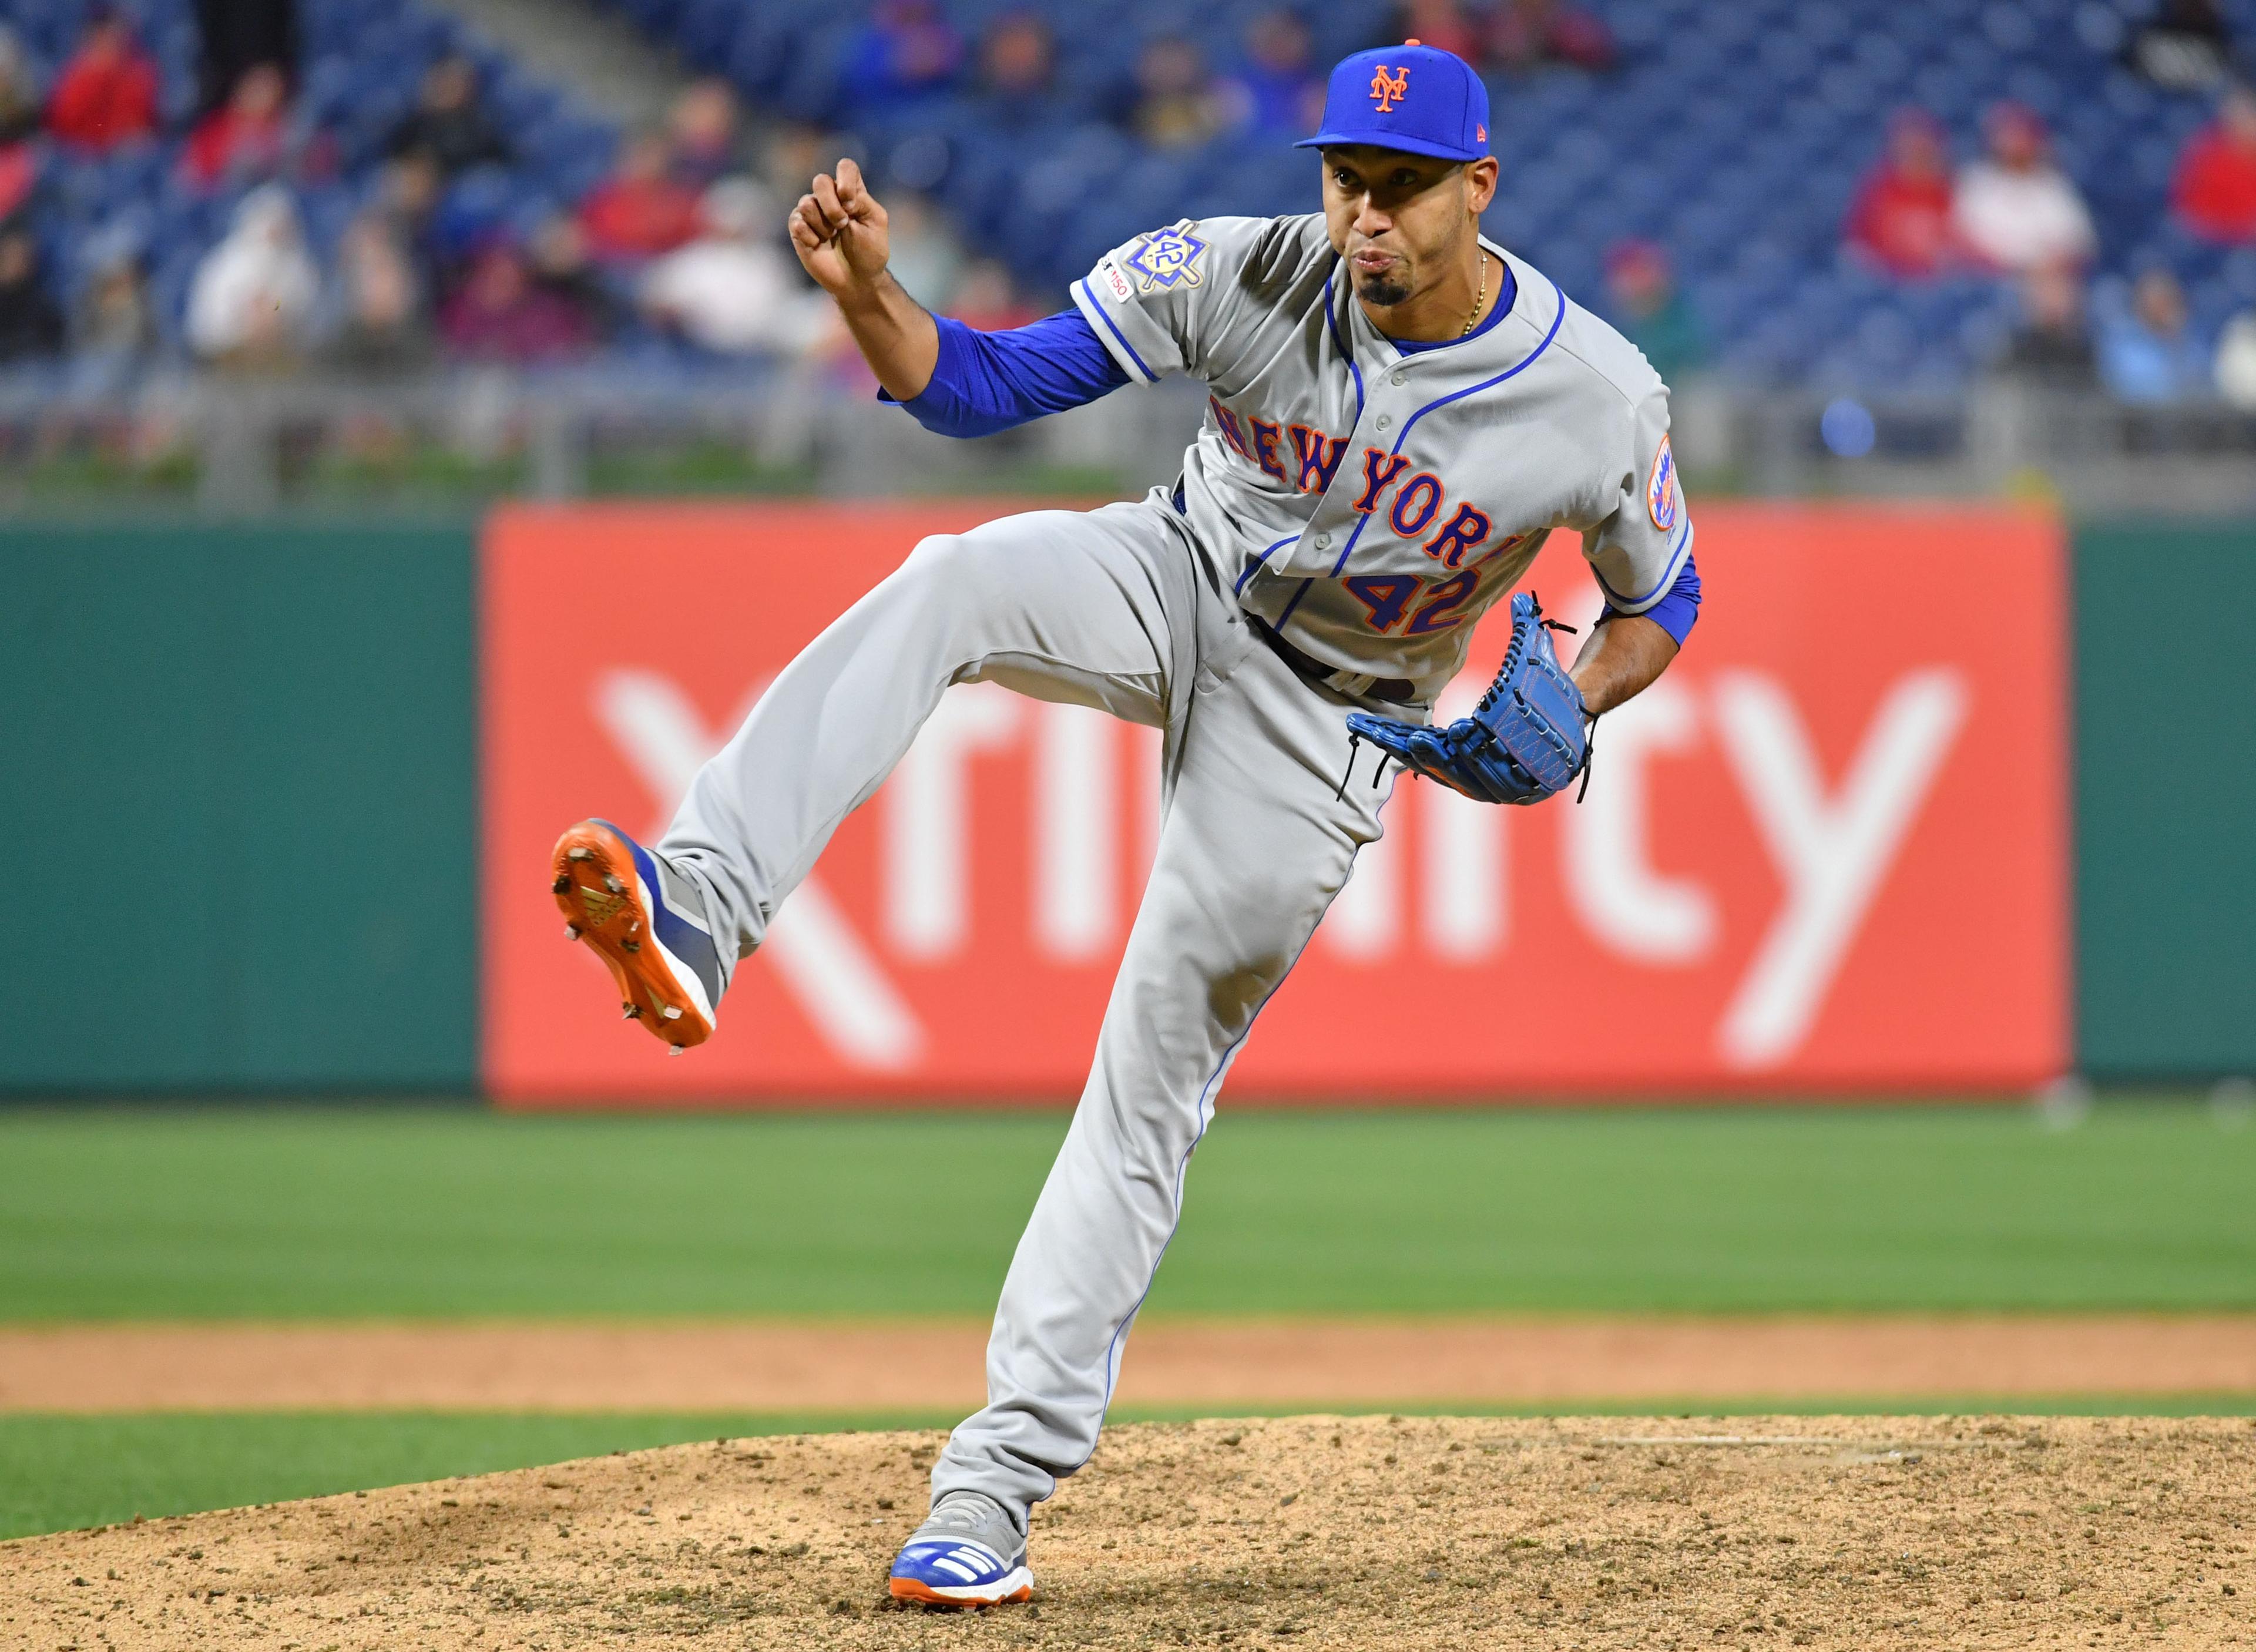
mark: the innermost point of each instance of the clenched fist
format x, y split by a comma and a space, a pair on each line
839, 231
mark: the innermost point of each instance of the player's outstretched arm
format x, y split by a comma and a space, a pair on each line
838, 230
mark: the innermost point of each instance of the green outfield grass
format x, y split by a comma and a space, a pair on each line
60, 1473
115, 1213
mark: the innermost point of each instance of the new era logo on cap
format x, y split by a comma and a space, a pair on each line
1370, 101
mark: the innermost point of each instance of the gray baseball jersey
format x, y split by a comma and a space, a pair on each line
1373, 502
1367, 503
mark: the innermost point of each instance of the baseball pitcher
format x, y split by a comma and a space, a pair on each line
1400, 411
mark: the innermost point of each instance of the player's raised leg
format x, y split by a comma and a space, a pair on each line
1257, 840
1098, 608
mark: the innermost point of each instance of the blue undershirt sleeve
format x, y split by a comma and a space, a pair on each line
987, 382
1677, 610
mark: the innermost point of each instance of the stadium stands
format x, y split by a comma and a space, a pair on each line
364, 62
1730, 137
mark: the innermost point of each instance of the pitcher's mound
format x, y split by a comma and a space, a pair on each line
1359, 1533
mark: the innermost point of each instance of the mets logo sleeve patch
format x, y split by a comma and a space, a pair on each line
1637, 549
1660, 489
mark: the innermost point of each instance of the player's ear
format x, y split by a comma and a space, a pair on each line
1480, 184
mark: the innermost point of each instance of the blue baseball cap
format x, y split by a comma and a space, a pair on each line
1412, 97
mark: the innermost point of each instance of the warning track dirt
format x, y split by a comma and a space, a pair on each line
1630, 1362
1322, 1532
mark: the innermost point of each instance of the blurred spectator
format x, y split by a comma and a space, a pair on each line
2236, 362
30, 326
641, 209
501, 315
107, 94
449, 122
1650, 312
2146, 356
113, 322
987, 299
793, 153
1901, 216
2016, 210
1527, 35
927, 258
254, 293
1017, 74
733, 290
2185, 46
905, 51
379, 324
1278, 89
407, 192
19, 123
562, 269
246, 138
238, 36
2052, 347
702, 125
1176, 104
2215, 190
19, 90
113, 329
1439, 23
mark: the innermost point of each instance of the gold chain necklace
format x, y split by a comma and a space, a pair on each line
1479, 298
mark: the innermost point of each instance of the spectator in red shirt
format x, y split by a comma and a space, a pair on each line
107, 94
1901, 216
501, 315
2215, 190
245, 137
641, 209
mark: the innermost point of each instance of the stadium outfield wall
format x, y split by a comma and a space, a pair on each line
1916, 813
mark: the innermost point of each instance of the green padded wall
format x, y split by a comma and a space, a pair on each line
2166, 801
241, 780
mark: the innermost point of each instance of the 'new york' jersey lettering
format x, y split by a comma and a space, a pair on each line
1370, 503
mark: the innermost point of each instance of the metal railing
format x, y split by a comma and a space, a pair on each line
246, 447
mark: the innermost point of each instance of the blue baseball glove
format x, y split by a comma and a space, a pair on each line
1525, 740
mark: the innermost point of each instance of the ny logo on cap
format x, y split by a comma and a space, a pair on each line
1384, 91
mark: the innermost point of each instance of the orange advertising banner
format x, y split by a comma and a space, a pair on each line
1827, 852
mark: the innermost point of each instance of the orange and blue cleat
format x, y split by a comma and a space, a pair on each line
644, 919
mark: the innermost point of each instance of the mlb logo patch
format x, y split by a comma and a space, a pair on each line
1660, 489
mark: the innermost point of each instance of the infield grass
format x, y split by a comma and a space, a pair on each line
281, 1213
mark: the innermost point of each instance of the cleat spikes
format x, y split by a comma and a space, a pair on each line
559, 886
631, 1013
630, 946
579, 854
677, 1049
672, 1012
571, 932
611, 882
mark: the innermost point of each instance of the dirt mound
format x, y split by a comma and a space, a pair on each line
1310, 1532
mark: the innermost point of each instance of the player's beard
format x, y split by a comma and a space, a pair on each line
1382, 292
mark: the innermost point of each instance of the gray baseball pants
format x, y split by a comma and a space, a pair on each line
1118, 609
